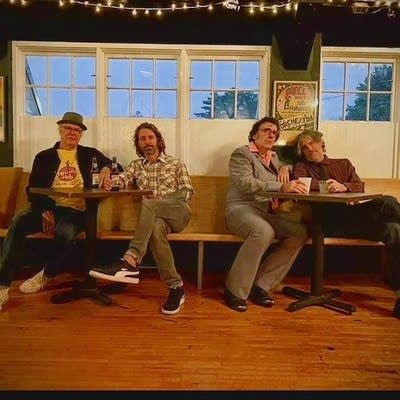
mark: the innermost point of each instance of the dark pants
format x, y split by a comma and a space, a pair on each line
377, 219
69, 222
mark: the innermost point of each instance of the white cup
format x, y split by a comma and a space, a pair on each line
307, 182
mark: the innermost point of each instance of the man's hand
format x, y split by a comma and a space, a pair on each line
295, 186
48, 222
335, 186
105, 178
283, 174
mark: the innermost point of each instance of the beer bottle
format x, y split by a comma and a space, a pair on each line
114, 175
94, 173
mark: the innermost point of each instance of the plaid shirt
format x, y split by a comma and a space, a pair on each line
165, 176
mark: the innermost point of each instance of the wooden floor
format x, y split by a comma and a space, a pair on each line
131, 345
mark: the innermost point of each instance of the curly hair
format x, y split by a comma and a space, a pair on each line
256, 127
152, 127
314, 135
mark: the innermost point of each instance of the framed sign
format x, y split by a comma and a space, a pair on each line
2, 110
296, 105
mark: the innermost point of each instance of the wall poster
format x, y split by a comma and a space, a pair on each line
295, 106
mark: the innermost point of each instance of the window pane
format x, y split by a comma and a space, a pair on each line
36, 70
332, 106
224, 105
379, 107
357, 76
118, 103
118, 73
141, 103
200, 75
60, 71
381, 77
60, 101
200, 105
225, 75
85, 102
249, 73
142, 74
36, 101
165, 104
85, 70
247, 105
356, 107
166, 74
333, 76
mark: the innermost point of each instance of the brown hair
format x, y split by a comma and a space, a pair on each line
152, 127
314, 135
256, 127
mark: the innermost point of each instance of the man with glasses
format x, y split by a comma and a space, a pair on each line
256, 171
66, 164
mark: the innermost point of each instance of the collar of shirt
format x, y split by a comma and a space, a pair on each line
265, 159
161, 158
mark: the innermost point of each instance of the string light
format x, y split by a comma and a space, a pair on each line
369, 6
122, 5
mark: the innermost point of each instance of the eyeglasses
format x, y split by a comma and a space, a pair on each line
71, 129
268, 131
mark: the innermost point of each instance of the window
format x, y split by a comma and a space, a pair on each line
357, 91
224, 89
142, 88
54, 84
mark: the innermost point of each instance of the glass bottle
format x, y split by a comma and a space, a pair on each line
114, 175
94, 174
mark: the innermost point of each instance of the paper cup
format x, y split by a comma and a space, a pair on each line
323, 186
307, 182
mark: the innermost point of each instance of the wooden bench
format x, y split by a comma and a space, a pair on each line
117, 217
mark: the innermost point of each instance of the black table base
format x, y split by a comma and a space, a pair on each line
325, 300
89, 290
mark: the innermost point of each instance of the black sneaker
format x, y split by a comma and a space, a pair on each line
396, 309
119, 271
174, 301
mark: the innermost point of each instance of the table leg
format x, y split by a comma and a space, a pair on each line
87, 288
317, 295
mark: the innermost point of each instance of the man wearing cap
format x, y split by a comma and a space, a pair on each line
66, 164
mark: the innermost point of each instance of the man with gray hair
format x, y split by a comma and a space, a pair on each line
376, 219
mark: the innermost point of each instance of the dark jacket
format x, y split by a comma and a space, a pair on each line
45, 166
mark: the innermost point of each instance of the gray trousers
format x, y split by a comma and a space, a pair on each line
258, 228
157, 218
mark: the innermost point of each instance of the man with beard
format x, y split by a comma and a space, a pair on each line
377, 219
164, 212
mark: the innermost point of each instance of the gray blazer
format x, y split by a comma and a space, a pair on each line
250, 179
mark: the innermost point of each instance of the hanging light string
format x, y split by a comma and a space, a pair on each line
123, 5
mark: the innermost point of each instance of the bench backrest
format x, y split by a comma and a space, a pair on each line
207, 204
9, 180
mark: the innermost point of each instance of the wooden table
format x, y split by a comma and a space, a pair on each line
317, 294
88, 288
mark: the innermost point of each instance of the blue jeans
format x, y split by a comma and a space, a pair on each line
158, 218
69, 222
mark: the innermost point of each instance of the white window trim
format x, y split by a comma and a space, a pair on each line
102, 51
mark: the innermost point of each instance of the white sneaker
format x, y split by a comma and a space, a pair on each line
35, 284
3, 296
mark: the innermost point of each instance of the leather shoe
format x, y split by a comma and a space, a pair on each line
260, 296
233, 302
396, 309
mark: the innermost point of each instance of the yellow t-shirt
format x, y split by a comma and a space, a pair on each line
68, 176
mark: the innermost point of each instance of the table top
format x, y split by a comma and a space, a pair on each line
318, 197
88, 192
